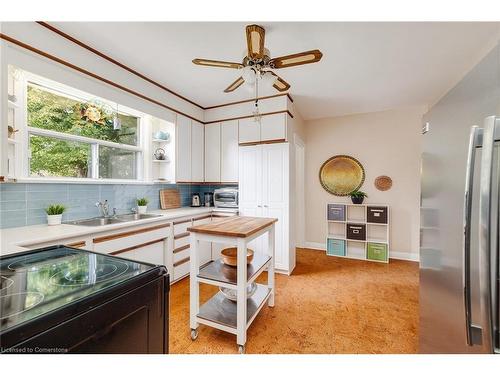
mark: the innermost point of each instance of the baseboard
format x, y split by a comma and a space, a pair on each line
393, 254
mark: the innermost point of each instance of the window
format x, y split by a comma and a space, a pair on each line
74, 135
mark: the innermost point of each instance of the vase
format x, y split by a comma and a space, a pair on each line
142, 209
54, 219
357, 200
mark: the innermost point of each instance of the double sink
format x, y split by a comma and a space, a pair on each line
100, 221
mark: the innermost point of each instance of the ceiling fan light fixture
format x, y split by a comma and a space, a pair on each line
248, 75
267, 80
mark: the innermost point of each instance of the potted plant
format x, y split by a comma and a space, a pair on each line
54, 214
357, 196
142, 205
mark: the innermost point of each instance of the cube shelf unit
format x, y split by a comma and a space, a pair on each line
358, 231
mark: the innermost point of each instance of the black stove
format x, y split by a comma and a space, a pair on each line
44, 289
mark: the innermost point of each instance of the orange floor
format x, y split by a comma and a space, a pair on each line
328, 305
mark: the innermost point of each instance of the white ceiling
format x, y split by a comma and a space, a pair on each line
365, 67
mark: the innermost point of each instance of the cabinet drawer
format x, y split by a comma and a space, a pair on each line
335, 247
356, 231
181, 269
153, 253
376, 214
130, 238
182, 226
181, 240
180, 253
336, 212
377, 251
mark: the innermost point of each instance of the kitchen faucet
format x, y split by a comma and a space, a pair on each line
103, 208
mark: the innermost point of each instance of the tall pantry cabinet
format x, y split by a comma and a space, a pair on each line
264, 191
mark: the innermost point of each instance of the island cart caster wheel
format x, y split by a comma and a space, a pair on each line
241, 349
194, 334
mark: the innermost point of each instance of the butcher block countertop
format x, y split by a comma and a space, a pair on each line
235, 226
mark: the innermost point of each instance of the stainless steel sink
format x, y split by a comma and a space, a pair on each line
100, 221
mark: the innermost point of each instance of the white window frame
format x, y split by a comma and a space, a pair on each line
64, 90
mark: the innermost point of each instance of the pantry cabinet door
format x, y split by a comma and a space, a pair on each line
249, 130
212, 152
183, 149
273, 127
229, 151
197, 152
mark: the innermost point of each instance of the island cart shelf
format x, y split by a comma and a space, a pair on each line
219, 312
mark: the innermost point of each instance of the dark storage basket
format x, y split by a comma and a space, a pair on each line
376, 214
336, 212
356, 232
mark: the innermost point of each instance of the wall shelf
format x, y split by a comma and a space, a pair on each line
358, 231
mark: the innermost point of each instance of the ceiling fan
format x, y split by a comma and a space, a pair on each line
258, 64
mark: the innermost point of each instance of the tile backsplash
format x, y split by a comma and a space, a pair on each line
24, 204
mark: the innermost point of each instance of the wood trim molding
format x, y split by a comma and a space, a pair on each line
202, 217
113, 61
181, 235
182, 221
127, 234
179, 249
180, 262
93, 75
136, 247
249, 100
76, 244
282, 140
250, 116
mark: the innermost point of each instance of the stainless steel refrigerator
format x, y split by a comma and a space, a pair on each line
459, 228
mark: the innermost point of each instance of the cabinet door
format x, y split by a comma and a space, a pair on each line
229, 151
249, 130
273, 127
197, 152
154, 253
183, 147
212, 152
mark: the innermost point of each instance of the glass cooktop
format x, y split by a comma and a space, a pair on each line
34, 283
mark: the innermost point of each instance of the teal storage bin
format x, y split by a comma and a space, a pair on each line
335, 247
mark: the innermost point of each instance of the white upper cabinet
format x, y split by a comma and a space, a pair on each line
183, 149
229, 151
270, 128
197, 152
249, 130
212, 152
273, 127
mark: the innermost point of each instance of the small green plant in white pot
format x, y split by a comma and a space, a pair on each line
54, 214
142, 205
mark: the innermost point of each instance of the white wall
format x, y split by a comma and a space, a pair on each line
386, 143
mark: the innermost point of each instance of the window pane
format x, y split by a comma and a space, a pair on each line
117, 163
57, 112
52, 157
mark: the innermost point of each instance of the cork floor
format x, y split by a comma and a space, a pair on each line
327, 305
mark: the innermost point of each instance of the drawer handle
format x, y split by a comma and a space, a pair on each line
181, 235
179, 249
181, 262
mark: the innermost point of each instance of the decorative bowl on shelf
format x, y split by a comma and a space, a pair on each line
229, 256
231, 294
161, 135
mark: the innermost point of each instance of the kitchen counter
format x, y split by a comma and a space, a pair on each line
15, 239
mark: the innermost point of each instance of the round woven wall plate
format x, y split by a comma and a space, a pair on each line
341, 174
383, 183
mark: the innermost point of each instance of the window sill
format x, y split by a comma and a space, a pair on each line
88, 181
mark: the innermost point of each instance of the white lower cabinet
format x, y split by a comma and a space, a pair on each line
205, 247
264, 192
154, 253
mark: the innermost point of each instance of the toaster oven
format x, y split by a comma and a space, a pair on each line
226, 198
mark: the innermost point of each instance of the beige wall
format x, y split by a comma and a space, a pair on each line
386, 143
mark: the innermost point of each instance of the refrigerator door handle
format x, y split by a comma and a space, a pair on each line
491, 132
473, 332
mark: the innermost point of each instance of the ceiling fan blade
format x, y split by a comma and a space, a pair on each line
280, 84
233, 86
307, 57
219, 64
255, 41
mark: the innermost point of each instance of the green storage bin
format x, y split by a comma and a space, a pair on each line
335, 247
377, 251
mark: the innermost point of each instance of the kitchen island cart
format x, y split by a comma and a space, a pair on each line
219, 312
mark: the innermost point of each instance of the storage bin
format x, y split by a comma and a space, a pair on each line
335, 247
376, 214
336, 212
356, 231
377, 251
